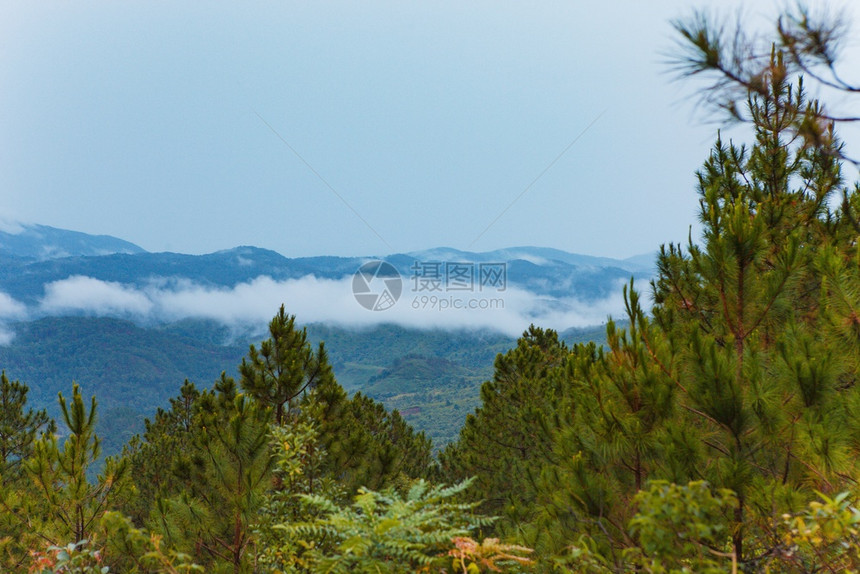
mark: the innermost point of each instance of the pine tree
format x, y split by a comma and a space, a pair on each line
744, 375
613, 433
364, 444
743, 311
18, 428
508, 437
165, 460
66, 505
214, 518
284, 367
738, 62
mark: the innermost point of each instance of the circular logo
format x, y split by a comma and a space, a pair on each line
377, 285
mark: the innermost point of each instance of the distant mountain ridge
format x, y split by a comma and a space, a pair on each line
537, 256
41, 242
39, 255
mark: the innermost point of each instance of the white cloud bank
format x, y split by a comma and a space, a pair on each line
10, 310
315, 300
10, 226
79, 293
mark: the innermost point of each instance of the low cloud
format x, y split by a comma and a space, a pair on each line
315, 300
10, 310
93, 296
7, 335
10, 226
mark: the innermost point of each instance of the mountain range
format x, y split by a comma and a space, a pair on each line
41, 242
86, 308
39, 255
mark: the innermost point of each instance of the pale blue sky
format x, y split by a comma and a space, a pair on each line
140, 119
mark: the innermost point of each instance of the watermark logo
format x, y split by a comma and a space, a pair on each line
377, 285
448, 276
437, 285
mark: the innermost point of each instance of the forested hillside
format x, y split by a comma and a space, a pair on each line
715, 428
432, 376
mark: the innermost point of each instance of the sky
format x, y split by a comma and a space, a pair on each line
352, 128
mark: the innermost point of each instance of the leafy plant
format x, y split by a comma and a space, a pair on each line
384, 531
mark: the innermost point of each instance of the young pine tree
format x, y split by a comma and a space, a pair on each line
506, 440
18, 427
283, 369
757, 377
213, 520
64, 505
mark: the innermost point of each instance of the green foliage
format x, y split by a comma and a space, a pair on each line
213, 520
365, 444
692, 441
298, 463
18, 428
488, 555
676, 530
124, 549
743, 375
66, 504
284, 368
204, 467
54, 502
682, 528
613, 429
504, 440
165, 459
824, 537
748, 343
132, 550
383, 531
389, 448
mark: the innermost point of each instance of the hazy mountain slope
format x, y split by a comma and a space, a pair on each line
39, 255
433, 377
43, 242
534, 255
121, 363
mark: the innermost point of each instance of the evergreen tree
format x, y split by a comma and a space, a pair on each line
738, 62
215, 518
507, 438
744, 375
283, 368
165, 459
63, 505
364, 444
738, 366
18, 428
614, 432
756, 376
